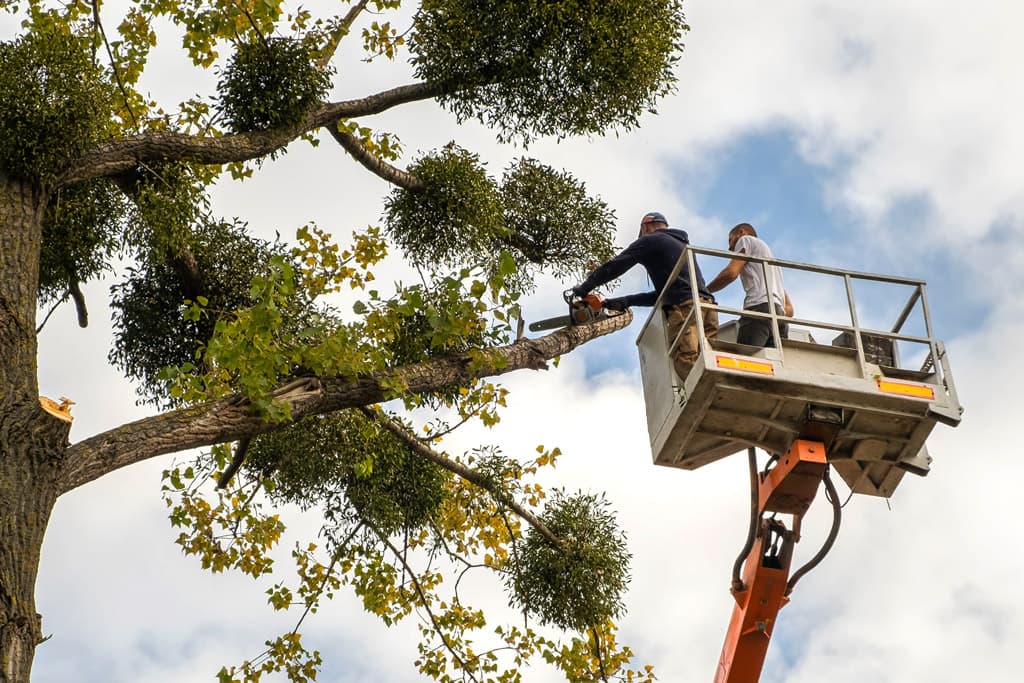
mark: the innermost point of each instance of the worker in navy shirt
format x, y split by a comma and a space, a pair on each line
658, 249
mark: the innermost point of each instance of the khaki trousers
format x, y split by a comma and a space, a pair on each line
686, 352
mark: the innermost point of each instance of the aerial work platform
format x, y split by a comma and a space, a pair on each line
837, 382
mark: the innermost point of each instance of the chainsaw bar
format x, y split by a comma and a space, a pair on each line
567, 320
551, 323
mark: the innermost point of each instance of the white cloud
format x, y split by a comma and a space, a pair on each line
909, 101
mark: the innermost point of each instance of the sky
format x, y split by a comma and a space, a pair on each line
869, 136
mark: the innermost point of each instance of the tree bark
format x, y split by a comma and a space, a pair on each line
21, 215
32, 442
124, 154
230, 419
375, 164
31, 445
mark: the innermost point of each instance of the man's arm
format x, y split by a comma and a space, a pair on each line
728, 274
621, 303
787, 307
612, 269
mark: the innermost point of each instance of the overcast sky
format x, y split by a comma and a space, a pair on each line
872, 136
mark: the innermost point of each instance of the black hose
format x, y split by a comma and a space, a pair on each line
737, 582
837, 514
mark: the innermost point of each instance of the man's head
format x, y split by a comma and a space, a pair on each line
652, 221
739, 231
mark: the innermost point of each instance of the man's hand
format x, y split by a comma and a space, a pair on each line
616, 304
579, 292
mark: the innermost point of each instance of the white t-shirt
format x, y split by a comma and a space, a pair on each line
752, 275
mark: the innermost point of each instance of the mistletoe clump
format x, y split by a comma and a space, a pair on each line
552, 221
81, 233
577, 584
461, 216
562, 67
455, 218
168, 199
270, 83
54, 103
352, 466
215, 265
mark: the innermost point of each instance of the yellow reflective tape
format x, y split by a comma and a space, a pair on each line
746, 365
906, 389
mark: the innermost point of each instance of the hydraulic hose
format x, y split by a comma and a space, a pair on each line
837, 514
737, 582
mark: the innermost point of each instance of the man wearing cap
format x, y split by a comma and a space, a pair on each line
658, 249
743, 239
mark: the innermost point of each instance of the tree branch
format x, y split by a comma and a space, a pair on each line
375, 164
334, 39
118, 156
79, 299
235, 464
231, 418
597, 654
424, 602
113, 62
469, 474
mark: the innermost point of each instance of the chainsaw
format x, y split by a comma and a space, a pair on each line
582, 310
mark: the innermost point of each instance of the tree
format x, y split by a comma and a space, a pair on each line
285, 361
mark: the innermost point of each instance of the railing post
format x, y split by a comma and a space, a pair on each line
857, 340
768, 282
932, 348
698, 311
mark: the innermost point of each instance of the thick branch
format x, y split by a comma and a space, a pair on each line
375, 164
231, 419
184, 265
470, 475
526, 246
75, 290
118, 156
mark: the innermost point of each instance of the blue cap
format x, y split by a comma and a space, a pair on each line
654, 217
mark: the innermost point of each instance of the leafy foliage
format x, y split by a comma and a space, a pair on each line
207, 311
82, 230
438, 318
549, 67
456, 219
578, 584
352, 467
54, 103
463, 217
270, 83
150, 330
232, 532
552, 221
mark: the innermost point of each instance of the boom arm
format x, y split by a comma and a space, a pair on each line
788, 488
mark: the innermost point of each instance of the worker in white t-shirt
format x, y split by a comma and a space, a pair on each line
743, 239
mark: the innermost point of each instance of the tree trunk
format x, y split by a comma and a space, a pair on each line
32, 442
31, 445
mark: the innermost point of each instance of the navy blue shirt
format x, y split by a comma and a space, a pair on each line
657, 253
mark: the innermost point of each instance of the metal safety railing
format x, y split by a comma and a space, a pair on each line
934, 361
